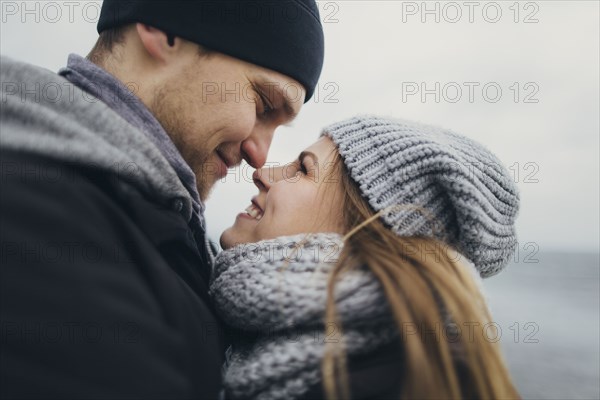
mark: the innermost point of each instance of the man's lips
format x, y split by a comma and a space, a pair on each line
225, 160
230, 160
224, 165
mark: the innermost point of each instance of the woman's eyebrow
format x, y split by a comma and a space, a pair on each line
308, 154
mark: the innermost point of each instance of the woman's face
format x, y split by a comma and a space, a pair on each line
300, 197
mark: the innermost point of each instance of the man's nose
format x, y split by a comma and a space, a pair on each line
256, 147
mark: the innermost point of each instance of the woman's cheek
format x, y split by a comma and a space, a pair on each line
290, 209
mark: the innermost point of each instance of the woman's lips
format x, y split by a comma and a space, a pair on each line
254, 201
254, 211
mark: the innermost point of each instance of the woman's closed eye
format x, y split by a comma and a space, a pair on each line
298, 167
306, 164
302, 168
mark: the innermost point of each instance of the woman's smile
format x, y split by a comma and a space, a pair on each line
294, 198
254, 211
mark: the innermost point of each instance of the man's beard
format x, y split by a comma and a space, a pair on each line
168, 106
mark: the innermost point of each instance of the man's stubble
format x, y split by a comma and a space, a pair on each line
171, 107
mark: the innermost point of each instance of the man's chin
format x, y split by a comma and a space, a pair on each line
205, 195
205, 189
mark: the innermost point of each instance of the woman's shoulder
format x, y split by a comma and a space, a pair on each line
376, 375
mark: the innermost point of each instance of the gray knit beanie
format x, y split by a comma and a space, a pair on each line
469, 196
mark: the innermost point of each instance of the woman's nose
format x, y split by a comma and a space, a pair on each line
261, 179
265, 177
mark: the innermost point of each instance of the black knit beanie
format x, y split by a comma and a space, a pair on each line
283, 35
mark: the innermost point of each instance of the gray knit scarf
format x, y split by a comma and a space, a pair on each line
275, 292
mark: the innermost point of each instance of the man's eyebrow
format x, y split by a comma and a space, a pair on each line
289, 110
287, 106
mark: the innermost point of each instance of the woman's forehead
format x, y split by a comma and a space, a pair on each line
324, 149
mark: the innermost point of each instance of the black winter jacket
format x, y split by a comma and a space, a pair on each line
103, 286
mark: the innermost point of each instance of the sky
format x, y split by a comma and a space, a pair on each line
522, 78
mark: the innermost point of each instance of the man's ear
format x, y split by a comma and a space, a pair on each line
157, 43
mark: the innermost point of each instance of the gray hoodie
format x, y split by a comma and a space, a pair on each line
44, 113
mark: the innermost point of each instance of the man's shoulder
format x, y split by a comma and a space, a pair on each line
38, 101
44, 113
58, 183
13, 71
68, 196
72, 184
28, 88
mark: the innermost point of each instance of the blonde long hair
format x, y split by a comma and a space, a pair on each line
417, 275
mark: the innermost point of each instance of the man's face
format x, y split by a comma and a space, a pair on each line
219, 110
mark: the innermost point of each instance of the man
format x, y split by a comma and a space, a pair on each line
105, 169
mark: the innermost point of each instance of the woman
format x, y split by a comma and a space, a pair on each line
354, 272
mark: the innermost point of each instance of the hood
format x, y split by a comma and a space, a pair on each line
43, 113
